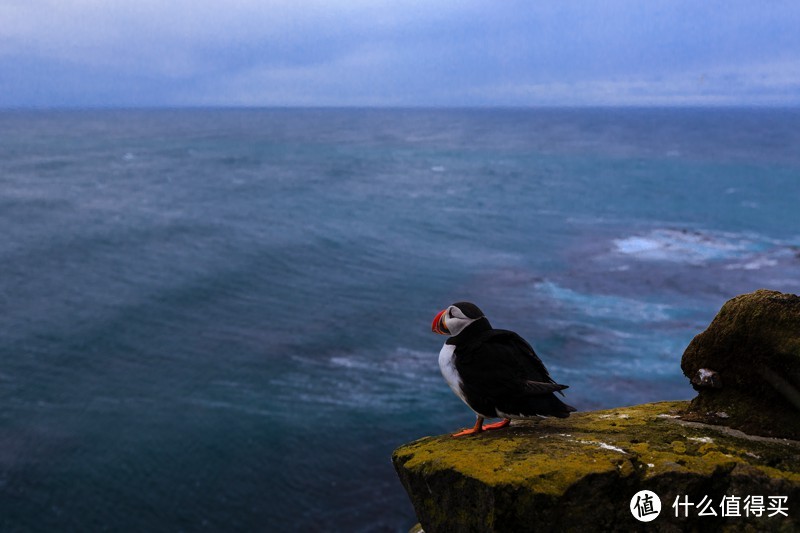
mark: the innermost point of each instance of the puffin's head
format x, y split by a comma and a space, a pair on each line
454, 319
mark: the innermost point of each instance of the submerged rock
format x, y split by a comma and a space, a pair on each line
747, 364
582, 473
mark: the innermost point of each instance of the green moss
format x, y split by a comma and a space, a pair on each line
553, 454
593, 460
753, 344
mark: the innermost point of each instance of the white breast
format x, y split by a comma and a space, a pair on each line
448, 367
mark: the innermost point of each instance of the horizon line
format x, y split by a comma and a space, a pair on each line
410, 107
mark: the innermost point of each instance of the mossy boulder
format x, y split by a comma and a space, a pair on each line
580, 473
746, 366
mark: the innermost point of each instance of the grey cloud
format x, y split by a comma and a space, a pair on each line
337, 52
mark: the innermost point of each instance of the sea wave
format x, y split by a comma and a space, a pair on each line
735, 251
684, 246
604, 305
383, 382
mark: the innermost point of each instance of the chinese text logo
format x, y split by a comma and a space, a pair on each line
645, 505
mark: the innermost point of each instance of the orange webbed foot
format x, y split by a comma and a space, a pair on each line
475, 430
497, 425
472, 431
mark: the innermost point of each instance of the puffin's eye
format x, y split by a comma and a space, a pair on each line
449, 313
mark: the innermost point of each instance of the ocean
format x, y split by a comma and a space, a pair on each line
219, 319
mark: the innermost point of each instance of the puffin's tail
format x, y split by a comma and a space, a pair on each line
537, 405
558, 408
567, 409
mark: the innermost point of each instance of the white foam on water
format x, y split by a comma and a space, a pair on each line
385, 382
605, 305
756, 263
780, 254
683, 246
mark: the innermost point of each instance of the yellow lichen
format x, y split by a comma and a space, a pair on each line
678, 446
551, 455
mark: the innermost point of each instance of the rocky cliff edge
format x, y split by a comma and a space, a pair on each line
584, 472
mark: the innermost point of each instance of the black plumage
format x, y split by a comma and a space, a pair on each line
497, 372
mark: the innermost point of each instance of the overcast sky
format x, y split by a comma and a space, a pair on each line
398, 53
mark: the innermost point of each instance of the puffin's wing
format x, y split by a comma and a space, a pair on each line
537, 387
526, 351
504, 365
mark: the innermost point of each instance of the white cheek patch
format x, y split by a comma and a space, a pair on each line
456, 325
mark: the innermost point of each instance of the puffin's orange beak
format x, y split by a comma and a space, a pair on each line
438, 325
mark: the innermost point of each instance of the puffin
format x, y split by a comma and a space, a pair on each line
494, 371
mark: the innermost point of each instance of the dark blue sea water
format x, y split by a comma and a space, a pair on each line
219, 320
